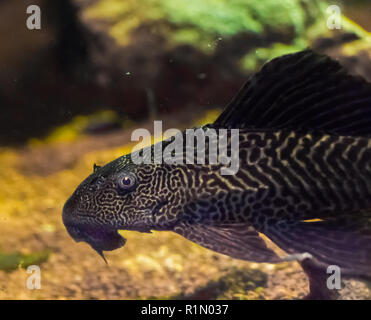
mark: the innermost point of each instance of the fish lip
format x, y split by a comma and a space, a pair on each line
82, 228
99, 237
111, 240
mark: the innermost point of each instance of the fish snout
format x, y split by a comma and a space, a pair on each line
68, 215
81, 228
98, 237
71, 221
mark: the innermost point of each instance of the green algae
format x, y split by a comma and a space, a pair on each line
253, 60
202, 23
13, 261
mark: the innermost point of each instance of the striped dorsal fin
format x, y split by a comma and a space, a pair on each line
303, 90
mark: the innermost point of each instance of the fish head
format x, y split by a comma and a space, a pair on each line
118, 196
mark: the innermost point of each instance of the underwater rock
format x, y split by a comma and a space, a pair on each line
141, 58
137, 46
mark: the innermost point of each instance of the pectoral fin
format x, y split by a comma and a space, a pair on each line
240, 240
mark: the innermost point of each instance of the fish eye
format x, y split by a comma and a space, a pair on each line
126, 181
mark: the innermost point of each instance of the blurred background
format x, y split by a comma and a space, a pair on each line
72, 92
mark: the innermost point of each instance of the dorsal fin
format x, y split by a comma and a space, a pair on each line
303, 90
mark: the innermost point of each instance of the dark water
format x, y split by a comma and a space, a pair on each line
72, 92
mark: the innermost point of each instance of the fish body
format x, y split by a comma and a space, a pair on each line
303, 178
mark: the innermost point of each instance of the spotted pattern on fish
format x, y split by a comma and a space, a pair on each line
304, 177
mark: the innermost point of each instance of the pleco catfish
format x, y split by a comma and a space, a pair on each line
304, 178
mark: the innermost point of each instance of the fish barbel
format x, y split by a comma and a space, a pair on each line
304, 178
